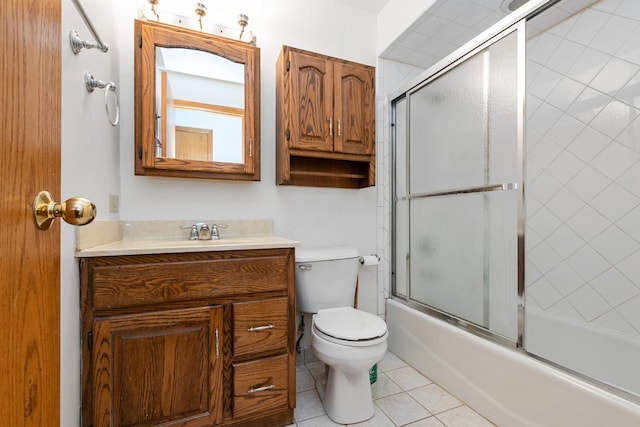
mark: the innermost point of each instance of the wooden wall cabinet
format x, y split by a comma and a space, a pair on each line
325, 121
190, 339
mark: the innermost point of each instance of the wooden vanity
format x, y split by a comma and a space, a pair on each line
201, 338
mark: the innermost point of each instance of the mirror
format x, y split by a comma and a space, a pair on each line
197, 104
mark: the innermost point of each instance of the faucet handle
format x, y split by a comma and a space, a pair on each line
214, 230
193, 234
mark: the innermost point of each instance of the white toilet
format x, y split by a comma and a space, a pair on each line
347, 340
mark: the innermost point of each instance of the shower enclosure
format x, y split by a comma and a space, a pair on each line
516, 195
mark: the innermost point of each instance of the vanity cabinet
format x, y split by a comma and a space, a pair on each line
188, 339
325, 119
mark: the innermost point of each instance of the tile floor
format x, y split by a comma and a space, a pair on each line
402, 397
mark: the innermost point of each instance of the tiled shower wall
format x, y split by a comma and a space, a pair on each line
391, 75
583, 168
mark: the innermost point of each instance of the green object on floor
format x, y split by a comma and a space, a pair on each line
373, 374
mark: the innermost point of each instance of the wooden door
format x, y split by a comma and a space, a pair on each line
311, 103
158, 368
30, 38
354, 109
194, 143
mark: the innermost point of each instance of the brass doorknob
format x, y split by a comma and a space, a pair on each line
74, 211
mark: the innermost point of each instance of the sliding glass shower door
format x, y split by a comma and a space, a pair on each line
458, 142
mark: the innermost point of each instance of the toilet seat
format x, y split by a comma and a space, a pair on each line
348, 326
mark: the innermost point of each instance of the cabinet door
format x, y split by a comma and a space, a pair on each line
311, 103
158, 368
354, 109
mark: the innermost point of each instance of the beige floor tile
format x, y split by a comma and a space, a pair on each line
321, 421
427, 422
463, 416
384, 387
434, 398
379, 419
316, 369
389, 362
308, 405
402, 409
304, 381
408, 378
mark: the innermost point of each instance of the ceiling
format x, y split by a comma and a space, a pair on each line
449, 24
443, 28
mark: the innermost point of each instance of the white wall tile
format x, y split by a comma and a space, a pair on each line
564, 56
565, 279
565, 130
613, 34
614, 287
587, 26
565, 241
631, 312
615, 159
588, 183
565, 204
588, 303
588, 144
588, 65
588, 263
630, 9
614, 118
588, 223
614, 244
614, 202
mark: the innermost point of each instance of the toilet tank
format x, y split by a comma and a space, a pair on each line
325, 278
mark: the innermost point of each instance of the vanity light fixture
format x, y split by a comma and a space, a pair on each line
243, 21
201, 10
179, 18
153, 4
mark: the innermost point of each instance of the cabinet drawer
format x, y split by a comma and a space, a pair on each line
260, 386
260, 326
164, 279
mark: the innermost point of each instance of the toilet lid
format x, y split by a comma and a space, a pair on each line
347, 323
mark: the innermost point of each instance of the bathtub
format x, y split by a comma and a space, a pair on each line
507, 387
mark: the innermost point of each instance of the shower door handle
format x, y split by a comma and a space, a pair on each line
505, 186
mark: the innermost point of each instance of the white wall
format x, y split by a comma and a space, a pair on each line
90, 168
98, 159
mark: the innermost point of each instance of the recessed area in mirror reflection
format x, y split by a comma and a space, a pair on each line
200, 103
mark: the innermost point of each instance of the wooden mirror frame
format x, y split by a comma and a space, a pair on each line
148, 36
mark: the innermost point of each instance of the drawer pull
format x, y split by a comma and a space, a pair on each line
260, 328
217, 344
265, 388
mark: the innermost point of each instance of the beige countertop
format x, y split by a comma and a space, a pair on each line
111, 238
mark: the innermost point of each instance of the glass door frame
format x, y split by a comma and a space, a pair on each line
519, 29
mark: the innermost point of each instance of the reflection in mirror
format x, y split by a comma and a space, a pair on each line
200, 104
197, 104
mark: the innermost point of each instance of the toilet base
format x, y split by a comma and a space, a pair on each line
346, 397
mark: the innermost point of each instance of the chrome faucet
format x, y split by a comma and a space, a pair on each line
202, 231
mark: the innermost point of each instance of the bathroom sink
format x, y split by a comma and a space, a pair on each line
110, 238
154, 246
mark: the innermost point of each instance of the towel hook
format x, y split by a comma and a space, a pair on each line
108, 87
